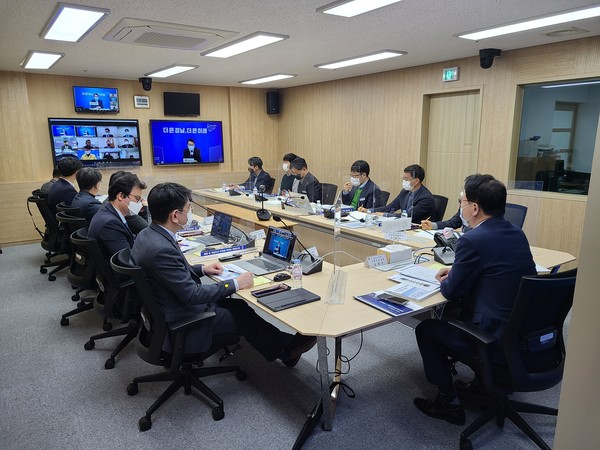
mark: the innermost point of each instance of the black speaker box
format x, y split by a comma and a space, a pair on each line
272, 102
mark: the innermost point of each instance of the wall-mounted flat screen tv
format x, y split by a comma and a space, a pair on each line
181, 104
186, 142
96, 142
96, 99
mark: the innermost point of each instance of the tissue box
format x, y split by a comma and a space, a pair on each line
397, 224
395, 253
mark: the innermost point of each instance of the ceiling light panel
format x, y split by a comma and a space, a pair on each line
245, 44
351, 8
268, 78
41, 60
378, 56
170, 71
72, 22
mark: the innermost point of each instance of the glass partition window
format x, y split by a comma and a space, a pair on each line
557, 136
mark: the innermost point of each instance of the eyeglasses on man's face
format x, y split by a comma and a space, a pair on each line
136, 198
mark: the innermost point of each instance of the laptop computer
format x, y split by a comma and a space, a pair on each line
276, 255
304, 204
219, 231
288, 299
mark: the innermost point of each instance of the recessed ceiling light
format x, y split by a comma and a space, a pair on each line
40, 60
72, 22
532, 24
245, 44
383, 54
351, 8
170, 71
580, 83
268, 78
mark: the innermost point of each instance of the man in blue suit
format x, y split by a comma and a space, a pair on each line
179, 291
490, 261
63, 191
89, 180
258, 177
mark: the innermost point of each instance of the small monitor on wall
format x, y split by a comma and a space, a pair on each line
181, 104
96, 99
186, 142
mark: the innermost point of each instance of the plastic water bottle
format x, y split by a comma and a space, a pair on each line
368, 220
224, 187
296, 274
319, 208
404, 214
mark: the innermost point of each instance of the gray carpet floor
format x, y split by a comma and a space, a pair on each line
56, 395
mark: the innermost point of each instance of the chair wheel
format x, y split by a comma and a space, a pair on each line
51, 278
89, 345
43, 270
107, 326
132, 389
241, 375
109, 364
465, 444
64, 321
145, 424
75, 297
218, 413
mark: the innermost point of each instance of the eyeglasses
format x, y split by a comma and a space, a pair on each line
355, 175
407, 179
191, 210
137, 198
460, 202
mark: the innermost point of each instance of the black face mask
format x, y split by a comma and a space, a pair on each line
250, 170
298, 177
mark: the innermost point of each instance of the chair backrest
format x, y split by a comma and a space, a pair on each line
329, 192
440, 207
50, 240
154, 327
384, 197
515, 214
269, 189
533, 343
71, 210
82, 267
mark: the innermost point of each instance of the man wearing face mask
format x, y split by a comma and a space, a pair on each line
179, 291
453, 222
360, 191
414, 198
191, 153
309, 185
89, 180
489, 263
258, 177
287, 181
109, 226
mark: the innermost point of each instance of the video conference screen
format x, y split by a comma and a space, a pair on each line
186, 142
96, 141
96, 99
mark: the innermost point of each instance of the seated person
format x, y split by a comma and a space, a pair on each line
89, 180
360, 191
45, 188
180, 293
490, 261
287, 180
453, 222
109, 226
415, 198
258, 177
191, 151
309, 185
63, 191
137, 215
88, 155
126, 144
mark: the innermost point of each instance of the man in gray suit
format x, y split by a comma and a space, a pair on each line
180, 293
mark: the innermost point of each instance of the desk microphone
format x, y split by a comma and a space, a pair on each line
316, 264
262, 213
249, 241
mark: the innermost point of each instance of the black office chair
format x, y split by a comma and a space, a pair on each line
269, 189
515, 214
440, 207
154, 331
67, 225
534, 351
329, 192
383, 198
71, 210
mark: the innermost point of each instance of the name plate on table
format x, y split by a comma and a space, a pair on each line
215, 251
258, 234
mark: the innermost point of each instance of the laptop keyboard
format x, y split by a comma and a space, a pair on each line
210, 240
265, 264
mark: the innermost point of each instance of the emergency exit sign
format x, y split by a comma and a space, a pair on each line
450, 74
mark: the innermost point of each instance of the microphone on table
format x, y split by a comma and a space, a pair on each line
262, 213
316, 264
249, 241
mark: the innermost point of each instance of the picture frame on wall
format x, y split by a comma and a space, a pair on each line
141, 101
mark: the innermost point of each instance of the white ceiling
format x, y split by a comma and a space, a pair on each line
423, 28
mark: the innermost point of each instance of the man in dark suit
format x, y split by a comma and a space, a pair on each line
414, 198
258, 177
191, 152
180, 293
89, 180
63, 191
360, 191
490, 261
109, 226
309, 185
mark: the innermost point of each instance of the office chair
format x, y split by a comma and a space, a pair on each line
515, 214
67, 225
154, 331
116, 300
52, 238
384, 197
81, 274
533, 350
329, 191
440, 207
71, 210
269, 189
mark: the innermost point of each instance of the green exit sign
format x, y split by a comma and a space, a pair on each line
450, 74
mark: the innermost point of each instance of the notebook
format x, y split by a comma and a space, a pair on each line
288, 299
276, 255
219, 232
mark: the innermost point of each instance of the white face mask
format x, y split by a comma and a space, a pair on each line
406, 185
191, 147
190, 218
285, 166
134, 207
355, 181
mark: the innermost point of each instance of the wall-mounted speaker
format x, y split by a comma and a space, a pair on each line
272, 102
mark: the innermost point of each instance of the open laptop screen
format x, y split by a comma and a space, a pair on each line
279, 244
221, 226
